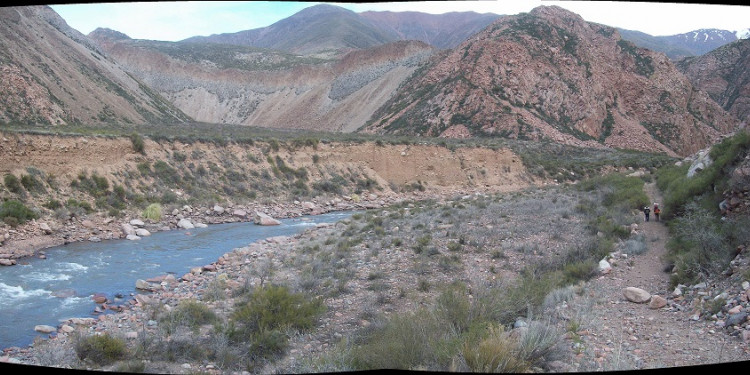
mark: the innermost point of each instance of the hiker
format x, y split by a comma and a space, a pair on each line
646, 211
657, 211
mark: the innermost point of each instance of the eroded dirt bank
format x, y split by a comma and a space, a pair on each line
210, 183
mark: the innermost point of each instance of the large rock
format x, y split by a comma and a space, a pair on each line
142, 232
185, 224
41, 328
636, 295
263, 219
133, 237
137, 223
45, 228
128, 229
657, 302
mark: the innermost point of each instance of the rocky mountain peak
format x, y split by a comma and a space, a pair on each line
548, 74
103, 33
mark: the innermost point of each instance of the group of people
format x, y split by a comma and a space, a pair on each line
647, 211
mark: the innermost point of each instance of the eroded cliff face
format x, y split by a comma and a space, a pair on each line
548, 74
251, 86
724, 74
54, 75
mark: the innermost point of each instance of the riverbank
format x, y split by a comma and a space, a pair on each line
32, 238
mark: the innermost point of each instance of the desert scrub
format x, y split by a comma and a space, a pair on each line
13, 184
139, 145
188, 313
14, 213
153, 212
101, 349
263, 318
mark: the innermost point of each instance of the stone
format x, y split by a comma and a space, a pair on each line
127, 229
636, 295
132, 237
42, 328
218, 209
239, 213
45, 228
141, 232
137, 223
604, 267
736, 319
144, 285
185, 224
99, 298
263, 219
657, 302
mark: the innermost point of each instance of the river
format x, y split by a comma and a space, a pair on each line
29, 290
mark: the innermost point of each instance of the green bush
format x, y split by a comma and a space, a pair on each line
153, 212
188, 313
101, 349
262, 320
139, 145
13, 184
497, 352
14, 212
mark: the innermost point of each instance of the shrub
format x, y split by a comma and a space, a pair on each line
13, 184
498, 352
101, 349
138, 144
188, 313
262, 320
14, 212
153, 212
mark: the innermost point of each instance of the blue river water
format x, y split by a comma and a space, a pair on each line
29, 290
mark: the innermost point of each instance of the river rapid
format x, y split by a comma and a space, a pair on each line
47, 291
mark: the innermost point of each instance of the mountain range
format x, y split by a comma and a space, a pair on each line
543, 75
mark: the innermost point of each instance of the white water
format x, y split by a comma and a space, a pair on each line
29, 290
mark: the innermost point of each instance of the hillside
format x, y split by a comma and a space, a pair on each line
320, 29
329, 30
221, 83
53, 75
724, 74
549, 74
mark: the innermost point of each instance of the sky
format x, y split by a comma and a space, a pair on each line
178, 20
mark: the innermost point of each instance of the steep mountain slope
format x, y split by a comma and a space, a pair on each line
52, 74
318, 29
725, 75
548, 74
440, 30
328, 29
221, 83
694, 43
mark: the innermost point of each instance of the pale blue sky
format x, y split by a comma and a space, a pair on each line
172, 21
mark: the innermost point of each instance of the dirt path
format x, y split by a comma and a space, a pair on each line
621, 335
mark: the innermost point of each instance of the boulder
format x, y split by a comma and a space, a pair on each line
133, 237
137, 223
218, 209
142, 232
636, 295
127, 229
42, 328
263, 219
185, 224
99, 298
657, 302
604, 267
144, 285
239, 213
45, 228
